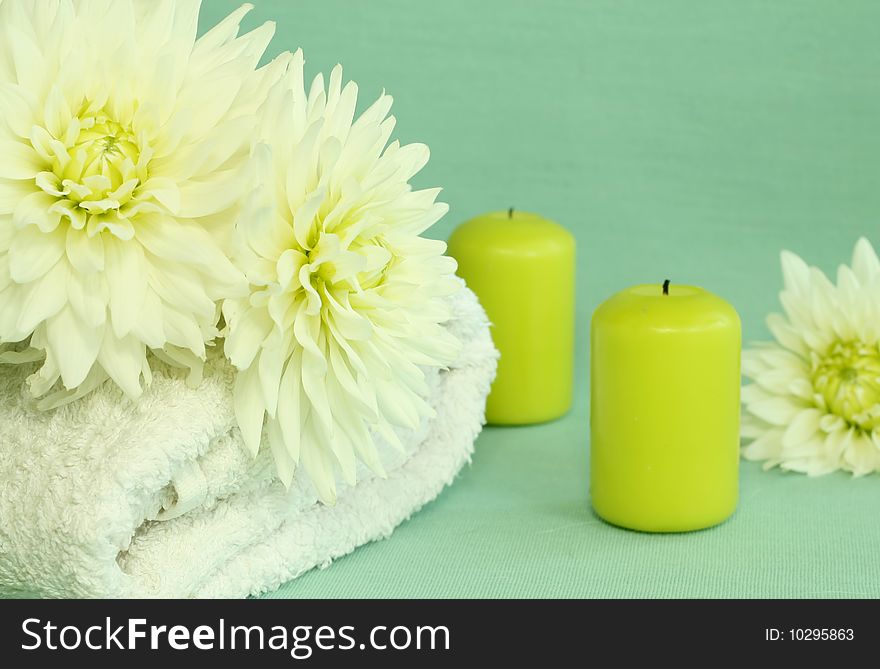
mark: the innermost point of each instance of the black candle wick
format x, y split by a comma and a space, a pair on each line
510, 213
666, 287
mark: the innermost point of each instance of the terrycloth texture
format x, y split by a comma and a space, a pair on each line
105, 498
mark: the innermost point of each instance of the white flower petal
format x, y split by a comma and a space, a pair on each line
346, 456
836, 443
862, 455
183, 331
46, 297
76, 344
73, 213
291, 412
304, 219
319, 462
150, 328
36, 209
271, 366
831, 423
802, 428
776, 411
796, 273
209, 196
164, 190
246, 336
122, 359
249, 410
284, 463
20, 161
800, 388
11, 194
56, 112
125, 263
88, 295
767, 446
221, 34
33, 253
86, 254
785, 334
18, 106
11, 300
181, 288
865, 264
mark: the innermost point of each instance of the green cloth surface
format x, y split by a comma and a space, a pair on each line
683, 140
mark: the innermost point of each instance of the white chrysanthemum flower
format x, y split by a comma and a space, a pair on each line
346, 303
124, 142
814, 406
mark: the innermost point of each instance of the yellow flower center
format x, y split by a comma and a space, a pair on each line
104, 148
99, 172
94, 170
848, 379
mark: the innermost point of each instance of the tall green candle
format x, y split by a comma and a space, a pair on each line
522, 268
665, 380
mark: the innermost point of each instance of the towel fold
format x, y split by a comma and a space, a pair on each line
109, 498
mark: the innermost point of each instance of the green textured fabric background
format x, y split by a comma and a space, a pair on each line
683, 139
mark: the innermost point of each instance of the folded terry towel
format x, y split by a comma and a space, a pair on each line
106, 498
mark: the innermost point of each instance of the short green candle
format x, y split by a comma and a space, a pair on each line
665, 382
522, 268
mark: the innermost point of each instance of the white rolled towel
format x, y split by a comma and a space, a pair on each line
109, 498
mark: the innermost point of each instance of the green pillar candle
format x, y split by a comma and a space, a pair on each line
665, 380
522, 268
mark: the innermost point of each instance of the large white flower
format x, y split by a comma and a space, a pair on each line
346, 305
814, 406
123, 148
